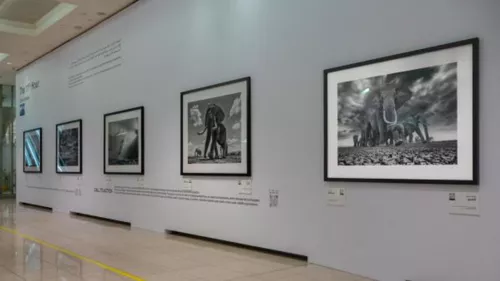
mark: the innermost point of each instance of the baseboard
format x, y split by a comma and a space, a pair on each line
35, 206
239, 245
101, 218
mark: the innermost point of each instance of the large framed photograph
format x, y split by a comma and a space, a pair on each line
69, 147
409, 118
124, 142
32, 149
215, 130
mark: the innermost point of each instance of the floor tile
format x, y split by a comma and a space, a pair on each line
152, 256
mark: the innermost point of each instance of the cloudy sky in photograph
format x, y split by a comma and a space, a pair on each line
231, 105
434, 98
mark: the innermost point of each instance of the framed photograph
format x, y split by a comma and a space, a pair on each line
32, 148
69, 147
215, 130
410, 118
124, 142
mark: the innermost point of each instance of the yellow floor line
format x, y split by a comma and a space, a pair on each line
72, 254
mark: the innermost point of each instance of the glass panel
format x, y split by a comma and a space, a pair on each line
7, 96
7, 141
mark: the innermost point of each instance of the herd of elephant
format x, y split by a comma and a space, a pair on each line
381, 126
396, 134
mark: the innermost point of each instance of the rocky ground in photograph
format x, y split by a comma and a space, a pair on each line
434, 153
202, 160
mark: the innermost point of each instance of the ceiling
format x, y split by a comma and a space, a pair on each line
31, 28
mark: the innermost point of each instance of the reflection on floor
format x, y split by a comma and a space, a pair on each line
50, 246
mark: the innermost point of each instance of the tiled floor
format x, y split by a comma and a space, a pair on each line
51, 246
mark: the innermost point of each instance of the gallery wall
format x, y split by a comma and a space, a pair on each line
385, 231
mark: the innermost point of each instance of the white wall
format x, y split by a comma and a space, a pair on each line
387, 231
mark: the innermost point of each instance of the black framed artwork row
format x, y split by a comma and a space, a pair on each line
124, 142
32, 150
410, 118
215, 130
69, 147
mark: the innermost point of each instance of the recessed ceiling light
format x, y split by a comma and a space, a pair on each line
9, 63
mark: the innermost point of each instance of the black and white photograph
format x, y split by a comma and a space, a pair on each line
32, 148
69, 147
124, 142
215, 133
215, 129
407, 118
392, 125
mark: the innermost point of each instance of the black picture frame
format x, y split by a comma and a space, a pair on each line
474, 180
140, 167
80, 147
25, 168
248, 151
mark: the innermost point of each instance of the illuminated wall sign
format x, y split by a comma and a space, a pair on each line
24, 95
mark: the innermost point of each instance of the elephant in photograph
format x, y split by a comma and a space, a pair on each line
395, 134
221, 139
197, 152
412, 125
381, 112
362, 139
216, 132
356, 140
367, 138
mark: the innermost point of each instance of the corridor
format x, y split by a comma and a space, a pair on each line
37, 245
